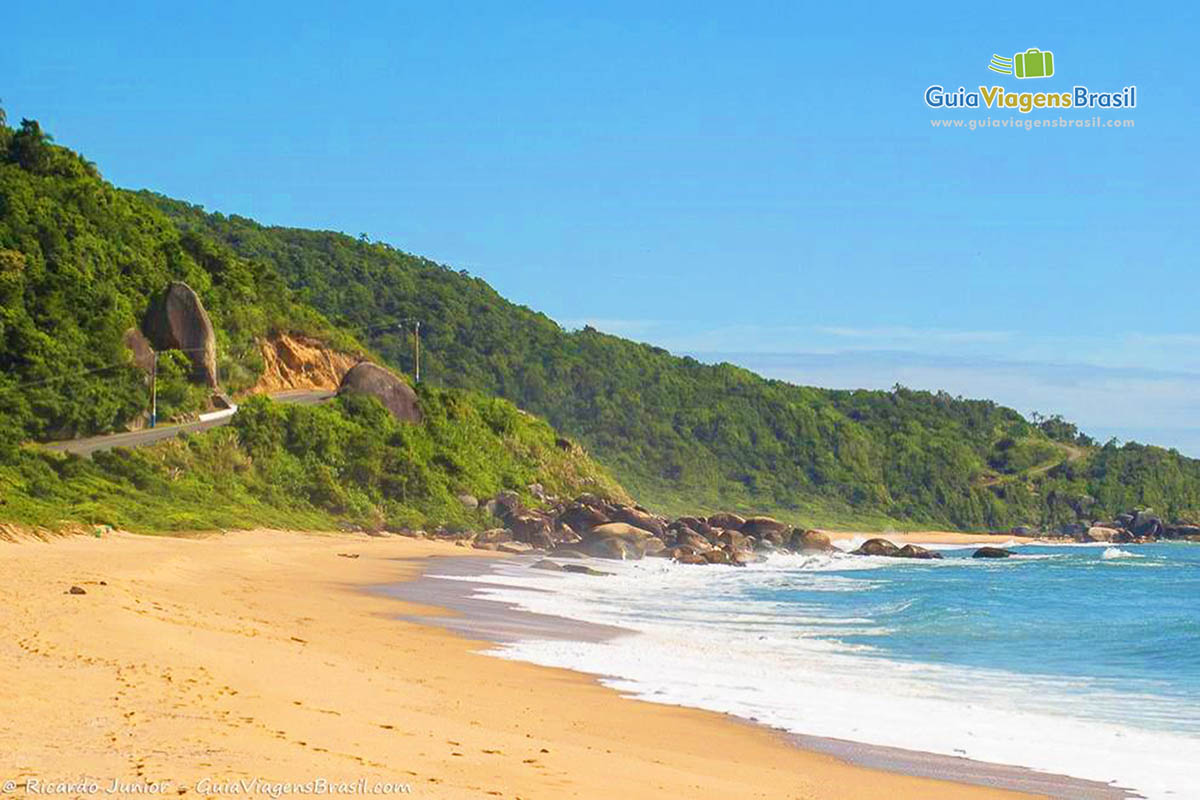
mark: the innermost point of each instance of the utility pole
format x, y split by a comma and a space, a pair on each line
417, 350
154, 390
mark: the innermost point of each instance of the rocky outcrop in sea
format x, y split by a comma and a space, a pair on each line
592, 526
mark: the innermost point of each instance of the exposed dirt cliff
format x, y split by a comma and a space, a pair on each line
299, 362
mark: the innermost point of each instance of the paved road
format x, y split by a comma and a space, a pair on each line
85, 447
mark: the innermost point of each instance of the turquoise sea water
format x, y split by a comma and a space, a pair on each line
1070, 659
1102, 619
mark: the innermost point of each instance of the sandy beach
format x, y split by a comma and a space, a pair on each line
194, 662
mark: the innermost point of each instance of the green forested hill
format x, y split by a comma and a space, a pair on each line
80, 262
683, 435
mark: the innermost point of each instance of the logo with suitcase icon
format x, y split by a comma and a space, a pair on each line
1033, 63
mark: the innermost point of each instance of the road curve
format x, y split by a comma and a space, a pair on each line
85, 447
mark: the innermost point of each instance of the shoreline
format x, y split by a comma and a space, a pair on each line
934, 537
502, 622
268, 655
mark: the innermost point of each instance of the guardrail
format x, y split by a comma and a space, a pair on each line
222, 414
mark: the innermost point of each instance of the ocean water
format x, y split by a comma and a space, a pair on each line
1079, 660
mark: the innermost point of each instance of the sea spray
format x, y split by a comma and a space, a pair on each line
1046, 660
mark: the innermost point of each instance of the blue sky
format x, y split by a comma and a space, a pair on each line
751, 181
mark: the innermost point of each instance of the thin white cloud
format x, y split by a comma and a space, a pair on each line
906, 334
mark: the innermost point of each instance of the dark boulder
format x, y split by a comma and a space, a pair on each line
811, 541
1099, 533
1146, 524
766, 528
727, 520
1072, 529
546, 564
564, 536
580, 517
992, 552
541, 539
1182, 531
653, 547
716, 556
532, 528
741, 558
614, 548
877, 547
177, 320
639, 519
693, 540
916, 551
618, 530
506, 505
392, 390
734, 539
695, 523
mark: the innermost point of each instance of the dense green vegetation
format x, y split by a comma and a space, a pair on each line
309, 466
80, 262
683, 435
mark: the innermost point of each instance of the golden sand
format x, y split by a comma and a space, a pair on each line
259, 656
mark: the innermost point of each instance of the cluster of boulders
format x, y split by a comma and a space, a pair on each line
883, 547
592, 526
1126, 528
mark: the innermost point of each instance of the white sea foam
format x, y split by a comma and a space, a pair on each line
1116, 552
699, 643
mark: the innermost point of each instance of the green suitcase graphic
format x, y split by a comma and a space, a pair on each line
1034, 63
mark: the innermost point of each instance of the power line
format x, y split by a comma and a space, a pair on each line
94, 370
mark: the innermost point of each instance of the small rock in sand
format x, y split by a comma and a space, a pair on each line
583, 569
569, 553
